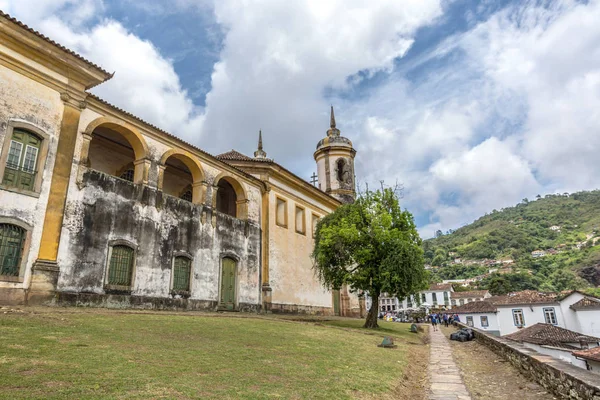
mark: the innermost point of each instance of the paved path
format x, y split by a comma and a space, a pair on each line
444, 376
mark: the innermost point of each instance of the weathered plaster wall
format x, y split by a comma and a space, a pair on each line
24, 99
107, 208
101, 208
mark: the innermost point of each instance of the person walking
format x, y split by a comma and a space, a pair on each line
434, 321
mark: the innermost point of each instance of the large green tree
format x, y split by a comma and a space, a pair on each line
371, 245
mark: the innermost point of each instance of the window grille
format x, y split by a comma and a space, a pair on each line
470, 321
128, 175
121, 266
12, 239
484, 321
181, 274
187, 195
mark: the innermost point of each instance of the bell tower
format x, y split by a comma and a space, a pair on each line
335, 164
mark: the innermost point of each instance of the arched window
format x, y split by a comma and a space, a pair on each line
12, 240
120, 267
182, 268
341, 163
22, 160
226, 198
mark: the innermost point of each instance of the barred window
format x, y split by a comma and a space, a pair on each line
182, 267
121, 266
186, 195
12, 239
128, 174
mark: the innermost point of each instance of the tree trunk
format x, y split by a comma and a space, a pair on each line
371, 321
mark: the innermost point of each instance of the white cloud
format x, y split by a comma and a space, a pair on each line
279, 57
145, 82
516, 113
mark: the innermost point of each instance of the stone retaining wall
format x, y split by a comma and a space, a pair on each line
561, 378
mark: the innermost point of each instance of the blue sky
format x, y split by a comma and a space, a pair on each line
471, 105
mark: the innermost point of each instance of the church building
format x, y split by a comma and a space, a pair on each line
100, 208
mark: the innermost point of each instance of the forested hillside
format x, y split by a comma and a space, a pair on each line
549, 243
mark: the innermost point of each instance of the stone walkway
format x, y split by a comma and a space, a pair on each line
445, 382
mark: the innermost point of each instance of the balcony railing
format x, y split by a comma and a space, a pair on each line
18, 177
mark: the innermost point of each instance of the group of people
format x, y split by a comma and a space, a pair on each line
438, 319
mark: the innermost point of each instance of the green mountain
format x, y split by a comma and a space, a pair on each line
553, 242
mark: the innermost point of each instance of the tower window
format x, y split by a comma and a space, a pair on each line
341, 164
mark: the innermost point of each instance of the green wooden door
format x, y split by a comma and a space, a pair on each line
228, 275
336, 302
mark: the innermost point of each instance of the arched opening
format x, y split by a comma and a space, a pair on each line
226, 198
181, 176
229, 196
111, 153
177, 180
115, 150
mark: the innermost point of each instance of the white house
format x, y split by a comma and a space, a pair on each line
556, 342
479, 314
516, 314
437, 296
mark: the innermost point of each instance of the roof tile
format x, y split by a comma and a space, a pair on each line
475, 307
550, 335
589, 354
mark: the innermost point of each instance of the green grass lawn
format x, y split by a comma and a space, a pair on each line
89, 354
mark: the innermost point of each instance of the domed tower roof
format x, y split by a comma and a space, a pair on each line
335, 164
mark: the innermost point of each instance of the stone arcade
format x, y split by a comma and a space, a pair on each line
100, 208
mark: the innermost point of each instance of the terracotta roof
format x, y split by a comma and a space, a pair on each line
590, 354
52, 42
475, 307
234, 155
586, 303
550, 335
474, 294
525, 297
440, 286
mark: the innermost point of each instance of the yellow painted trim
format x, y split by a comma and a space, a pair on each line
60, 184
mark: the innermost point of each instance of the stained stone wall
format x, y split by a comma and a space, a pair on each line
562, 379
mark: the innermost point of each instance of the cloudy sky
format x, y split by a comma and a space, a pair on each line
471, 105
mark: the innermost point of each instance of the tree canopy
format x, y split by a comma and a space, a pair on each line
370, 245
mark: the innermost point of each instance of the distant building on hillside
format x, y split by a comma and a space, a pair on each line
538, 253
555, 228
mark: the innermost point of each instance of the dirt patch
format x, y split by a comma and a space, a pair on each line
489, 377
